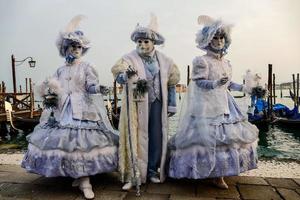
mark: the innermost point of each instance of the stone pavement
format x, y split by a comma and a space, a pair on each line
15, 183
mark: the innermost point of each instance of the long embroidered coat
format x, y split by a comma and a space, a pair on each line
169, 74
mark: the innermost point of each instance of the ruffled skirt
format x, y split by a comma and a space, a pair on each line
207, 148
73, 148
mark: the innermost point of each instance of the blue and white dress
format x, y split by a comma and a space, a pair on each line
82, 142
214, 138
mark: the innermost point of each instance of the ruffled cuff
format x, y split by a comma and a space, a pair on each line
172, 96
92, 89
172, 109
235, 87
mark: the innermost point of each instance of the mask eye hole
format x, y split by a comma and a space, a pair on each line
143, 41
218, 38
74, 46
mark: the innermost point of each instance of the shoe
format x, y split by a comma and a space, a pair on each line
86, 188
154, 179
127, 186
220, 183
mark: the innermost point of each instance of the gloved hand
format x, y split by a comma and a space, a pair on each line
222, 81
130, 72
170, 114
247, 90
102, 89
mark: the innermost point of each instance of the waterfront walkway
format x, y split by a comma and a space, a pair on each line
15, 183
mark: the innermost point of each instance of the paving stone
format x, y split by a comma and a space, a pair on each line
106, 195
297, 180
206, 190
99, 181
56, 193
178, 188
180, 197
233, 180
298, 190
12, 168
9, 177
18, 190
146, 196
258, 192
54, 181
111, 195
288, 194
283, 183
110, 181
13, 198
223, 199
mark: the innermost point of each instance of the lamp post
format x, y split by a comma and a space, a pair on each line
31, 63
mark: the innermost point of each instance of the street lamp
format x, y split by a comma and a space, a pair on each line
31, 63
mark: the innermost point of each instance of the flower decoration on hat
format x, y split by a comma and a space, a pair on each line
72, 35
149, 32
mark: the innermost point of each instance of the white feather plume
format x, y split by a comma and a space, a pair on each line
249, 81
73, 24
153, 25
206, 20
51, 85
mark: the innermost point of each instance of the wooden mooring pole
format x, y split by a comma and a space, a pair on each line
297, 96
188, 75
274, 87
270, 104
294, 90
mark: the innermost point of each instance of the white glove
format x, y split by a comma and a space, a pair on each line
247, 90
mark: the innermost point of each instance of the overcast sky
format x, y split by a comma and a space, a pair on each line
265, 31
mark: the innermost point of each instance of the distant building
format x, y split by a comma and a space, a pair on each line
284, 86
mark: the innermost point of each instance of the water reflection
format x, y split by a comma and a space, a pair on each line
279, 142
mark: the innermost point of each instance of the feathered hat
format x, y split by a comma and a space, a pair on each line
71, 35
149, 32
209, 29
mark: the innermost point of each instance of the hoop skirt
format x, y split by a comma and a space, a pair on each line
71, 147
81, 142
207, 147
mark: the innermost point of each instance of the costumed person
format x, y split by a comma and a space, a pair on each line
213, 139
148, 117
75, 139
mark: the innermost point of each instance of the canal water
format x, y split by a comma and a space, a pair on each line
277, 142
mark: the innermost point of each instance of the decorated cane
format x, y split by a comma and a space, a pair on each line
133, 158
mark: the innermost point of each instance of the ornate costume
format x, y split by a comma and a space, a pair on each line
80, 142
149, 118
214, 138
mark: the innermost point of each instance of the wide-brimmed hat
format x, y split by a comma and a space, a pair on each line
149, 32
210, 27
72, 35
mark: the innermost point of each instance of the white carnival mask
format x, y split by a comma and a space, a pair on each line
144, 46
218, 42
75, 50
